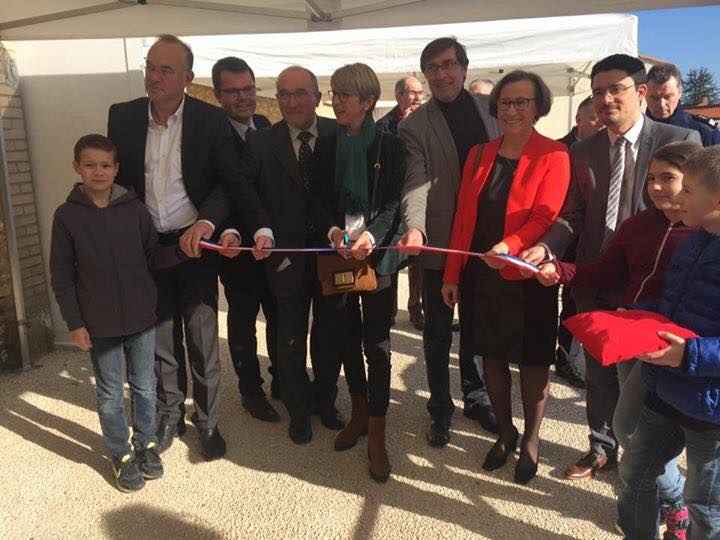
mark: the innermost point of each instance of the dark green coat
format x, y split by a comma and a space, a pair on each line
383, 219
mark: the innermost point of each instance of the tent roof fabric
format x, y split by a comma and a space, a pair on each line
77, 19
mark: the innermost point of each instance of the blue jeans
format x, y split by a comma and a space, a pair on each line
657, 440
109, 357
627, 412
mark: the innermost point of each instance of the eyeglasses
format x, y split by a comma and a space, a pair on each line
614, 90
415, 94
342, 96
520, 104
283, 95
447, 65
236, 92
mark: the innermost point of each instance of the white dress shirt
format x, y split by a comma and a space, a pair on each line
633, 137
295, 132
241, 128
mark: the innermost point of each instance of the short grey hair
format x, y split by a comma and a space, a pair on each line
490, 83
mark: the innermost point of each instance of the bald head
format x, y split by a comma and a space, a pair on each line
298, 96
481, 86
409, 94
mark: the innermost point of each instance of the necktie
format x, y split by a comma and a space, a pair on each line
249, 130
305, 159
617, 174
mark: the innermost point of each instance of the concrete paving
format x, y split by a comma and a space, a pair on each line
55, 479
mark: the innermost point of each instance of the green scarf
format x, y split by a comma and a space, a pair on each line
351, 176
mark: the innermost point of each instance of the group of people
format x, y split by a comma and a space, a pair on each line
624, 212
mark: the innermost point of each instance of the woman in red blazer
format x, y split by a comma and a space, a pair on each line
512, 190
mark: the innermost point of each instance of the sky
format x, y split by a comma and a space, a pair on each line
688, 37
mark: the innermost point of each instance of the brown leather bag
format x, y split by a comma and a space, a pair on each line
338, 275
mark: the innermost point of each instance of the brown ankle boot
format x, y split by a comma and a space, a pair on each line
356, 427
379, 462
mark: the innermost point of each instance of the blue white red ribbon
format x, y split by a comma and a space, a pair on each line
509, 260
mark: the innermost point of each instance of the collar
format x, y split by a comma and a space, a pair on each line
294, 132
242, 128
632, 135
175, 117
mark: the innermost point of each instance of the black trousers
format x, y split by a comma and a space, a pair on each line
565, 338
246, 289
293, 313
188, 292
346, 333
437, 340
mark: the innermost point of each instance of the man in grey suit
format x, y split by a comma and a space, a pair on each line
278, 163
608, 185
439, 136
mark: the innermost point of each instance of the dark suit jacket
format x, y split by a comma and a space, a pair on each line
269, 168
383, 218
209, 157
583, 214
260, 121
389, 122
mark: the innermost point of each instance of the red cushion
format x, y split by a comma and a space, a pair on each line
616, 336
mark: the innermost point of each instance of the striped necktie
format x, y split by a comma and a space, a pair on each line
617, 174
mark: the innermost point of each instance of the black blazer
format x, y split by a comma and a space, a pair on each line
208, 153
260, 121
389, 122
383, 219
269, 167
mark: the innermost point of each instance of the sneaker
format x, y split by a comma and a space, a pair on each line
127, 475
677, 519
149, 462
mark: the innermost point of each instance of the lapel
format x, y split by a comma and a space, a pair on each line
239, 142
489, 155
443, 135
283, 149
645, 150
599, 165
189, 134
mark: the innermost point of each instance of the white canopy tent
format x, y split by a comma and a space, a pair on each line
68, 19
560, 49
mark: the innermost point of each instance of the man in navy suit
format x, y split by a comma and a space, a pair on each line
243, 278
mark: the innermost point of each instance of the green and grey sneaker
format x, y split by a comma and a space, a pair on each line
127, 476
149, 462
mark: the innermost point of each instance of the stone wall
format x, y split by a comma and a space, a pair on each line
22, 198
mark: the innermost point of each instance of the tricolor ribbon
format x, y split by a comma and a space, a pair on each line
510, 260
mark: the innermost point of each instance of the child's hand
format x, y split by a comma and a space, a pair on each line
548, 274
671, 356
80, 338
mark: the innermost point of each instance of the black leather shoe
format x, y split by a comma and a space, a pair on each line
330, 417
300, 430
525, 470
165, 434
213, 445
438, 434
496, 457
417, 319
483, 413
259, 407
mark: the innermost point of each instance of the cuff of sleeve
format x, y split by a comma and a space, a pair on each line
372, 238
330, 233
550, 254
689, 362
75, 324
208, 222
232, 231
264, 232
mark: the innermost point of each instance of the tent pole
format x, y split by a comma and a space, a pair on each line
20, 316
571, 100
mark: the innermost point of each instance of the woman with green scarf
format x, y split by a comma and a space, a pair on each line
358, 179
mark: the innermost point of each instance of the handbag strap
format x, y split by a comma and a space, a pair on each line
376, 177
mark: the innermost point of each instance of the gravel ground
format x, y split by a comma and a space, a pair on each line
56, 481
